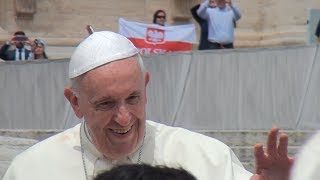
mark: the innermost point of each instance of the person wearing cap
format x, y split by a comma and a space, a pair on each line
19, 40
108, 93
38, 50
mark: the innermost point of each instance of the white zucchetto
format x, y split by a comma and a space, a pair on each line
98, 49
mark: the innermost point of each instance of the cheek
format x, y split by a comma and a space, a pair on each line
98, 119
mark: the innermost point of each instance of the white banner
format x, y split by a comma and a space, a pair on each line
152, 38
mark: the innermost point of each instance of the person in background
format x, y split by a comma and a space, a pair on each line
318, 31
108, 94
19, 40
145, 172
159, 17
221, 22
38, 50
203, 42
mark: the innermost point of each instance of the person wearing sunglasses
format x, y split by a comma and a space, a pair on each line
159, 17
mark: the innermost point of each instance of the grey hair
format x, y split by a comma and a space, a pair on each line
74, 82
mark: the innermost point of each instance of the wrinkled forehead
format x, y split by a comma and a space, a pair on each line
113, 75
128, 66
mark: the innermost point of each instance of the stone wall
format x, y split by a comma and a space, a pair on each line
62, 23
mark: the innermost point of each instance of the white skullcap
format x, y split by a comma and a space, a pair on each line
98, 49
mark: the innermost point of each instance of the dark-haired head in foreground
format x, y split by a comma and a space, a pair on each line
144, 172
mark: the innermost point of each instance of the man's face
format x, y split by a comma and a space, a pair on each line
112, 100
19, 44
19, 40
221, 3
212, 3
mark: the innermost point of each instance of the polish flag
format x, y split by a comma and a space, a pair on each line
155, 39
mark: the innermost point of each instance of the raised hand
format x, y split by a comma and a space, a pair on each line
275, 163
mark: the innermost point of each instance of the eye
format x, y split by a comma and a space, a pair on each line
106, 105
134, 99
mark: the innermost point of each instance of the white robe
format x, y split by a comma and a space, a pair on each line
60, 157
307, 164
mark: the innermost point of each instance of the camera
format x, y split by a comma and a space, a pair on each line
20, 38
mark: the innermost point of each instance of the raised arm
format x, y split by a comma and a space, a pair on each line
195, 15
202, 9
235, 9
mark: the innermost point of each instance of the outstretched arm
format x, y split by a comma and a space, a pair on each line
274, 164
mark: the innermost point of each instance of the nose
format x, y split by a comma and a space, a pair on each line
123, 116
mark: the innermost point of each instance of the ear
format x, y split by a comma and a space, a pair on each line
147, 78
73, 99
146, 81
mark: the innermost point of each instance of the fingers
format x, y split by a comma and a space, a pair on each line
272, 142
257, 177
259, 156
283, 145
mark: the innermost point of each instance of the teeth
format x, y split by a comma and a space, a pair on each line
121, 131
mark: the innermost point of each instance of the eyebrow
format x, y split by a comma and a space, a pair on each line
100, 100
109, 98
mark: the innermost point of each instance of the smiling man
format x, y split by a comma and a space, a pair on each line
108, 92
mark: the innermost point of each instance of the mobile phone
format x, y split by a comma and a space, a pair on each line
20, 38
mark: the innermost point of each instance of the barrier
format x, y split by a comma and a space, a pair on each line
241, 89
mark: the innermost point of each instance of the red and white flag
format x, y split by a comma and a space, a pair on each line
155, 39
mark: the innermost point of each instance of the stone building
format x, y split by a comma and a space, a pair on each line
62, 22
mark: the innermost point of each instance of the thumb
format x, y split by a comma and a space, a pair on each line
257, 177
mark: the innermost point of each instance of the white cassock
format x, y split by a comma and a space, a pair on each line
60, 156
307, 164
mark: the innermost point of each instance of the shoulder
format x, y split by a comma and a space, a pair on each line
176, 136
202, 155
48, 148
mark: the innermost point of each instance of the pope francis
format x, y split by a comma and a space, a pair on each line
108, 92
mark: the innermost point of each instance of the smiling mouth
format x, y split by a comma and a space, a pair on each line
121, 131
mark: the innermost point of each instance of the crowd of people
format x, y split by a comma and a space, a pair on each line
217, 20
16, 49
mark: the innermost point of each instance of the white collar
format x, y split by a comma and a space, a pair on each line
91, 149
